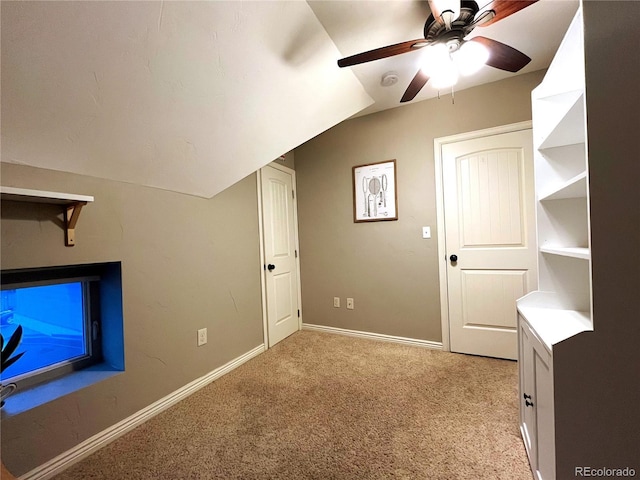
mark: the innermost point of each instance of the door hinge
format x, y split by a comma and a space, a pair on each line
298, 313
293, 194
296, 252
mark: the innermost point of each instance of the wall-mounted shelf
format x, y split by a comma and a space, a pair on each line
71, 202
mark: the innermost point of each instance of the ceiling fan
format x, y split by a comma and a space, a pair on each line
448, 53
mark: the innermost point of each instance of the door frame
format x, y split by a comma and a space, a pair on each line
263, 279
438, 143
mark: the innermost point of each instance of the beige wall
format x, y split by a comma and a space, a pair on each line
387, 267
187, 263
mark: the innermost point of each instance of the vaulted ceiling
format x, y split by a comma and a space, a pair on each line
194, 96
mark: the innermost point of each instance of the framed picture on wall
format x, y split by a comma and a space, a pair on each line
375, 193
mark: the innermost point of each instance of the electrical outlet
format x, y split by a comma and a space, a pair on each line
336, 302
350, 304
202, 336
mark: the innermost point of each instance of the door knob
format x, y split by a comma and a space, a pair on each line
453, 258
271, 267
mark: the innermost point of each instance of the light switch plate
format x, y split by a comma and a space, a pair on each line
202, 337
426, 232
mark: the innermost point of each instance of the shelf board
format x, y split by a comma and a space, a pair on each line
574, 252
557, 92
553, 325
566, 114
575, 187
41, 196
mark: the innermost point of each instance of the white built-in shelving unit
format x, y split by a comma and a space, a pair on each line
561, 308
559, 128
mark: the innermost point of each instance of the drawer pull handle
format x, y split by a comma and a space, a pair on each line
526, 400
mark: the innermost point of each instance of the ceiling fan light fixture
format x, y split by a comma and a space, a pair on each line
445, 53
470, 58
445, 80
436, 58
446, 76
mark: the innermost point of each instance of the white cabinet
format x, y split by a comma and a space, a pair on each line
561, 308
536, 402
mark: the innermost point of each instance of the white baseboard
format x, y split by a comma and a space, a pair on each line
89, 446
374, 336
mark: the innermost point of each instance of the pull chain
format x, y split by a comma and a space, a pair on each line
453, 95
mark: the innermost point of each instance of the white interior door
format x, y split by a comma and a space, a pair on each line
280, 254
488, 188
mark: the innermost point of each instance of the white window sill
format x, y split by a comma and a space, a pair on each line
23, 400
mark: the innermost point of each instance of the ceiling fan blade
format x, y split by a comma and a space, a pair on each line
383, 52
503, 56
504, 8
415, 86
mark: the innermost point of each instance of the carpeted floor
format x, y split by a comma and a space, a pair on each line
322, 406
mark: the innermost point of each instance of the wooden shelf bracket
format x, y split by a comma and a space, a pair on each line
71, 215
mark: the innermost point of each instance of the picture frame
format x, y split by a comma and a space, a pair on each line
375, 192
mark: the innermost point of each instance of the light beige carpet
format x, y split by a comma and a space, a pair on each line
322, 406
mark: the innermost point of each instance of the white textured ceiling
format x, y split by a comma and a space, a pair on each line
194, 96
184, 96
